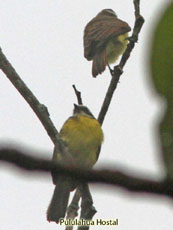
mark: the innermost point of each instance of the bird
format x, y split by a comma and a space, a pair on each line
105, 39
83, 136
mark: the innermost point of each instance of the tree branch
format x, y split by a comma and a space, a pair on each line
112, 177
39, 109
118, 70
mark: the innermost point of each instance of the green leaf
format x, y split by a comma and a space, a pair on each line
162, 54
162, 77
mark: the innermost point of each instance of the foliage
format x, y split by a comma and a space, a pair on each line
162, 77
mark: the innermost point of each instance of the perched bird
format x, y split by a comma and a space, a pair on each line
105, 39
83, 136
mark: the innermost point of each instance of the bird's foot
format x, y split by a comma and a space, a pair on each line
117, 70
132, 39
111, 70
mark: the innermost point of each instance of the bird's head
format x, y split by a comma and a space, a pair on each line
82, 110
108, 12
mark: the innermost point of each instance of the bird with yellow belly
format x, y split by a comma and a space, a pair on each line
105, 39
83, 136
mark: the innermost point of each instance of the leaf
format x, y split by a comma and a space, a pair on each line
162, 76
162, 54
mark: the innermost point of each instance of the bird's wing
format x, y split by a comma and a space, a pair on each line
99, 31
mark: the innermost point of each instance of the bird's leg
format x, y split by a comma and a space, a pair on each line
111, 70
117, 71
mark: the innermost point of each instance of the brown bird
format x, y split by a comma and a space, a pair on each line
105, 39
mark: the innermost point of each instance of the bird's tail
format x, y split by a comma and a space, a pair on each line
99, 63
58, 205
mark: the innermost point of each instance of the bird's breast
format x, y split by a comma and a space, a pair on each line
83, 136
116, 47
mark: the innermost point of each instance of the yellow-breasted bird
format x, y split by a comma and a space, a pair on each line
105, 39
83, 136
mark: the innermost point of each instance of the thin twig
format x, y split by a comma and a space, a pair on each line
87, 208
72, 210
78, 95
137, 8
